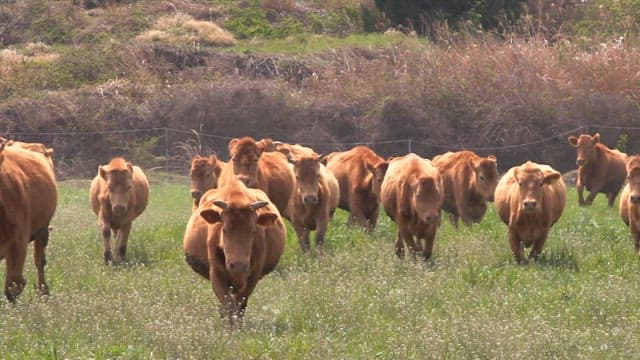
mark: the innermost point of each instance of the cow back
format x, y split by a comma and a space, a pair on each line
350, 169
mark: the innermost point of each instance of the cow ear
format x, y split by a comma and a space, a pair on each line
48, 152
267, 218
213, 159
210, 215
287, 153
130, 167
382, 167
267, 144
515, 174
103, 172
492, 158
232, 146
321, 158
573, 141
551, 177
596, 137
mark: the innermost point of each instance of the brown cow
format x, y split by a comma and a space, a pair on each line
530, 198
630, 200
268, 171
28, 199
205, 172
119, 194
294, 150
234, 238
360, 173
600, 169
469, 182
37, 147
412, 194
314, 201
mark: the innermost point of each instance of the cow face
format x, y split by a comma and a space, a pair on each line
119, 177
586, 147
307, 171
204, 176
245, 154
428, 199
531, 181
377, 175
633, 177
239, 223
486, 176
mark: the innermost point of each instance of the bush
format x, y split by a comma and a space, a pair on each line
252, 22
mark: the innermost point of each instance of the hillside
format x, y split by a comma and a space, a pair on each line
75, 74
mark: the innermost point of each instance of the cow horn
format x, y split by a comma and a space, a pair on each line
258, 204
221, 204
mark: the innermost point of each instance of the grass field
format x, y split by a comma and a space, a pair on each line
580, 300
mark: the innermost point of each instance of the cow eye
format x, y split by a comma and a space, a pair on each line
207, 175
519, 183
481, 177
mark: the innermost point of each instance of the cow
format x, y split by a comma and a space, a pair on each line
314, 201
234, 238
469, 182
600, 169
119, 194
36, 147
530, 198
205, 172
630, 199
294, 150
28, 200
360, 172
412, 195
268, 171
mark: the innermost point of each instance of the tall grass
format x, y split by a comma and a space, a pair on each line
358, 301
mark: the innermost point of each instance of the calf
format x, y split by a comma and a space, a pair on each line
314, 201
234, 238
469, 182
412, 195
28, 199
600, 169
204, 173
360, 172
530, 198
119, 194
630, 200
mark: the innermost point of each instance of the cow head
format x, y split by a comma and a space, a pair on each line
239, 221
245, 154
205, 172
633, 176
377, 171
428, 198
531, 181
119, 177
485, 177
586, 147
307, 171
3, 143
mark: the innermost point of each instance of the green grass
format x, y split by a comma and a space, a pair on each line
357, 302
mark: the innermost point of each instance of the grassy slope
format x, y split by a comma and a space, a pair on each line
359, 301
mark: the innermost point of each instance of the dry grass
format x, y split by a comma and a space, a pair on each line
182, 28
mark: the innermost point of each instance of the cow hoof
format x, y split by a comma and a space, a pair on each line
43, 290
400, 253
107, 258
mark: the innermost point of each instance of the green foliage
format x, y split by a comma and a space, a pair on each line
48, 26
251, 22
607, 20
422, 14
622, 142
339, 21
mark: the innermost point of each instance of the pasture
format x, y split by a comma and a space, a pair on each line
580, 300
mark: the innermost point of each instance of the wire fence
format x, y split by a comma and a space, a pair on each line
77, 154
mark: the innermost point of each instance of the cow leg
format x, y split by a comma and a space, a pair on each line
635, 232
580, 189
536, 249
303, 236
41, 240
516, 246
121, 241
243, 296
322, 222
454, 220
591, 197
612, 198
14, 282
407, 236
222, 290
429, 238
106, 241
372, 220
399, 244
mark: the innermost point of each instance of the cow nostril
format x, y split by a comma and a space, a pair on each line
432, 219
119, 209
238, 266
579, 162
635, 198
196, 194
310, 199
529, 204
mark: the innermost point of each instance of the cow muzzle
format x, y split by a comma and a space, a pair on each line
119, 210
529, 205
580, 162
432, 219
310, 199
196, 195
634, 198
238, 267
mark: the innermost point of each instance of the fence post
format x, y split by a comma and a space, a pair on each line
166, 149
410, 147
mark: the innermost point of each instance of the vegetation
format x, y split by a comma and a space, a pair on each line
358, 301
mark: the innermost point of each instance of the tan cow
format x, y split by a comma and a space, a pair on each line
630, 200
530, 198
205, 172
469, 182
28, 199
314, 201
294, 150
268, 171
600, 169
360, 173
412, 194
37, 147
119, 194
234, 238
